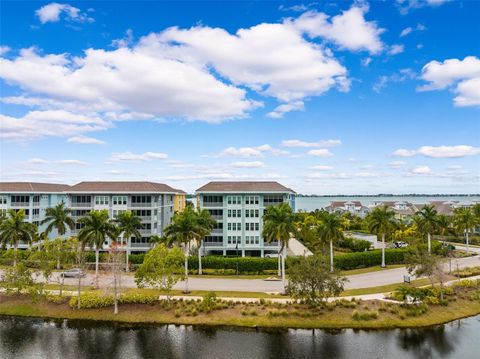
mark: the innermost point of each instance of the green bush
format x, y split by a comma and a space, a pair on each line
363, 316
90, 300
138, 298
355, 244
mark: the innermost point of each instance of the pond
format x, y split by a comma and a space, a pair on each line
36, 338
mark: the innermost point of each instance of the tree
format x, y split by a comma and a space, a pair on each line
15, 229
182, 231
428, 222
381, 220
161, 268
307, 232
465, 220
310, 280
129, 225
204, 226
330, 231
278, 225
95, 232
58, 217
115, 258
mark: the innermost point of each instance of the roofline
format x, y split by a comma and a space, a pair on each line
238, 192
122, 192
46, 192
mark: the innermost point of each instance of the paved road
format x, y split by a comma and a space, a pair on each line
364, 280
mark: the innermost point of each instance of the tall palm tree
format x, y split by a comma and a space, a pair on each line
183, 230
444, 225
465, 220
205, 224
278, 225
130, 226
58, 217
14, 229
330, 230
381, 220
97, 227
428, 222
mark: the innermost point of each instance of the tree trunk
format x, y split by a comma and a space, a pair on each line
331, 256
429, 243
284, 253
61, 285
97, 259
127, 244
200, 258
15, 245
58, 261
79, 291
466, 238
279, 260
187, 252
383, 250
115, 280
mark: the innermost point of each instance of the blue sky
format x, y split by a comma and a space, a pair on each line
327, 97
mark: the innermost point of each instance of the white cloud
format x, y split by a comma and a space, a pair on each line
258, 151
462, 76
350, 30
440, 151
322, 168
406, 5
4, 50
126, 41
343, 175
281, 110
41, 161
402, 152
409, 30
384, 80
136, 157
322, 152
247, 164
421, 170
299, 143
39, 124
84, 140
53, 11
397, 164
366, 61
396, 49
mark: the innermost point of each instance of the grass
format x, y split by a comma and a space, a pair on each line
293, 316
371, 269
383, 288
201, 293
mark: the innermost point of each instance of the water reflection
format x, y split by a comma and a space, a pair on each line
30, 338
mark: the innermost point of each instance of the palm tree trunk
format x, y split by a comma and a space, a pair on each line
284, 253
97, 259
61, 285
58, 261
200, 258
15, 245
383, 250
466, 237
279, 264
187, 252
429, 243
79, 288
126, 254
331, 256
115, 280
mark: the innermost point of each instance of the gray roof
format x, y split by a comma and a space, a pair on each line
245, 186
118, 187
32, 187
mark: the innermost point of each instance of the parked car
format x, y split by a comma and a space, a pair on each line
73, 273
400, 244
271, 255
448, 246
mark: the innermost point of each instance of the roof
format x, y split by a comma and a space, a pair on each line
246, 186
30, 187
179, 191
340, 204
117, 187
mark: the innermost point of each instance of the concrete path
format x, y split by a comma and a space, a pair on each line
297, 248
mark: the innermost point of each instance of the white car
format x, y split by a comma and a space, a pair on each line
271, 255
73, 273
400, 244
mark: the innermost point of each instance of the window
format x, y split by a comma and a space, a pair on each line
234, 226
272, 199
36, 212
3, 199
142, 212
116, 212
234, 239
234, 213
20, 199
218, 225
216, 212
251, 200
36, 199
252, 239
141, 199
82, 199
101, 200
119, 200
214, 239
251, 213
234, 199
212, 199
252, 226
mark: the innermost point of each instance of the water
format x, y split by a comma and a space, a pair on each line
307, 204
32, 338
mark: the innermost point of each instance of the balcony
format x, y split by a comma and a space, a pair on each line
20, 204
140, 245
217, 231
213, 244
212, 204
273, 244
81, 204
218, 218
142, 205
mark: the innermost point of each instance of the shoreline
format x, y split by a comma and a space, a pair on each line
141, 316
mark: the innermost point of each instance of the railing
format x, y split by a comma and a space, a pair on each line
273, 244
35, 216
217, 231
213, 244
20, 204
218, 218
140, 245
213, 204
81, 204
145, 231
147, 205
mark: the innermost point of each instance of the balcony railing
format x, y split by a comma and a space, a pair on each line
140, 245
213, 244
218, 218
217, 231
146, 205
20, 204
213, 204
273, 244
81, 204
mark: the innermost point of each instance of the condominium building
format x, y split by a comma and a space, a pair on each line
33, 198
238, 208
179, 201
152, 202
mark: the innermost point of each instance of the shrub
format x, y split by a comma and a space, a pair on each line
355, 245
368, 259
90, 300
209, 302
416, 310
137, 298
363, 316
56, 299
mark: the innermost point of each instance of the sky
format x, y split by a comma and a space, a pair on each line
324, 97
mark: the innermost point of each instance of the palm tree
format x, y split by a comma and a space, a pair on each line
58, 217
14, 229
330, 230
205, 224
444, 225
428, 222
278, 224
130, 225
97, 227
182, 230
465, 220
380, 221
